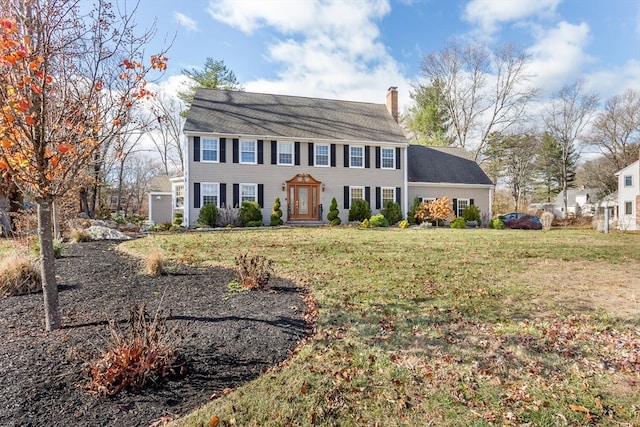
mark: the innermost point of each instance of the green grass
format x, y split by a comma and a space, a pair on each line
439, 327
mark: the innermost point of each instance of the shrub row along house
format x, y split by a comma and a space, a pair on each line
306, 151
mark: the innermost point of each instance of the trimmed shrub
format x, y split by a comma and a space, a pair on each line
208, 215
253, 272
378, 220
19, 275
359, 210
154, 263
364, 223
411, 215
471, 213
496, 224
392, 212
404, 224
178, 219
276, 214
458, 223
134, 359
334, 214
250, 214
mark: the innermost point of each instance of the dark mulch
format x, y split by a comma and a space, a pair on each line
233, 337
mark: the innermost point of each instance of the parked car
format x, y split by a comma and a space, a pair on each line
522, 221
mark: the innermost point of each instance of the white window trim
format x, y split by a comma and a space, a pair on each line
459, 213
279, 144
175, 196
202, 194
351, 147
217, 150
625, 181
247, 184
393, 157
315, 156
255, 151
353, 187
382, 199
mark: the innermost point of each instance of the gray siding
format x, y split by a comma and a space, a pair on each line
480, 195
273, 176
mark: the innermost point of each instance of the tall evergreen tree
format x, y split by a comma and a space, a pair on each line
214, 75
428, 119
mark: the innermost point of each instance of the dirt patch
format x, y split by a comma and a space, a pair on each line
588, 285
233, 337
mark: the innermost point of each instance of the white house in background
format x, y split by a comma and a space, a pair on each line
307, 151
629, 196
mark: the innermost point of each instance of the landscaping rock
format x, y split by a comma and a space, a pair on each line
105, 233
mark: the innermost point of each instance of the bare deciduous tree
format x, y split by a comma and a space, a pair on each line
483, 91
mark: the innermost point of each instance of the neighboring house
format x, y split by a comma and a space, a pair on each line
307, 151
436, 172
629, 196
580, 202
161, 199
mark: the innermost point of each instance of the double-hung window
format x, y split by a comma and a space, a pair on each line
248, 192
462, 205
388, 194
209, 193
285, 153
248, 152
356, 193
628, 180
628, 208
209, 150
356, 157
321, 155
388, 158
179, 196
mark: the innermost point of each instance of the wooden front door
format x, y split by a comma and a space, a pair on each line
303, 198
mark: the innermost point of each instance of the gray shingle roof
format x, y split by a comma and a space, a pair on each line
259, 114
444, 165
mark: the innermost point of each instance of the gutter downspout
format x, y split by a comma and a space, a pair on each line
406, 180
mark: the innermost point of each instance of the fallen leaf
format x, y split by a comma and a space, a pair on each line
579, 408
214, 421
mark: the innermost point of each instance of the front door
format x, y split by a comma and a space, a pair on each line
303, 202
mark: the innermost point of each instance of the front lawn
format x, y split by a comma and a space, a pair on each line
442, 327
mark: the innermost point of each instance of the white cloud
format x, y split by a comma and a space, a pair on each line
558, 55
185, 21
323, 48
488, 14
615, 80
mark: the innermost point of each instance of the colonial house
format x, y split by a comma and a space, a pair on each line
306, 151
629, 196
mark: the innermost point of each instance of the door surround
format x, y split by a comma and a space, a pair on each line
303, 198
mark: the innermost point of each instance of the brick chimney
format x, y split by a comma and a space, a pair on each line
392, 102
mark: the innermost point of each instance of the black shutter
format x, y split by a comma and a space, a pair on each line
236, 150
471, 202
236, 195
196, 195
261, 195
367, 194
333, 155
378, 197
378, 156
398, 195
346, 155
346, 197
455, 207
274, 152
398, 158
196, 148
311, 153
260, 151
367, 156
296, 152
223, 150
223, 194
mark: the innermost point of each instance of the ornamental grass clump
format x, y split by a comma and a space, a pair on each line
154, 263
77, 235
136, 358
19, 275
254, 272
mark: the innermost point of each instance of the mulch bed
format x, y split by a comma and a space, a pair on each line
232, 338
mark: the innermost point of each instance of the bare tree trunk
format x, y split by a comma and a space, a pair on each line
47, 266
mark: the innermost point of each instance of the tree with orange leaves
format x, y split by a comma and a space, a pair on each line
436, 210
68, 77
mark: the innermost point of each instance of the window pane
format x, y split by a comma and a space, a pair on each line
628, 208
248, 192
209, 193
628, 181
357, 193
210, 150
357, 154
247, 151
388, 195
322, 155
462, 204
285, 153
388, 158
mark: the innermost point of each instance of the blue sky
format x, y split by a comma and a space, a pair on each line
355, 50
